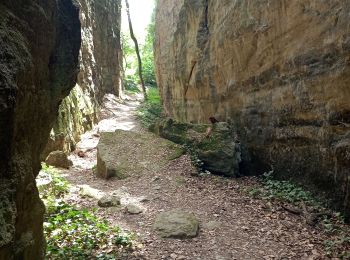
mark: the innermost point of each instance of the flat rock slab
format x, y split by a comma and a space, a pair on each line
123, 153
176, 224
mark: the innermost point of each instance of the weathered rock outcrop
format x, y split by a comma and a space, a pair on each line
217, 148
40, 43
99, 74
279, 69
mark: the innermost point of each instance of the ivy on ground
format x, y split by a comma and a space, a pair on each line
333, 225
73, 233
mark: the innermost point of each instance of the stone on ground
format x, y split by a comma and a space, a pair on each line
87, 191
109, 201
58, 159
176, 224
133, 209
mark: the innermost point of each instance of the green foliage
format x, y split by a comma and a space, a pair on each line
148, 55
285, 191
79, 234
73, 233
196, 162
130, 58
130, 84
339, 247
151, 109
131, 77
59, 185
153, 96
192, 150
254, 192
338, 244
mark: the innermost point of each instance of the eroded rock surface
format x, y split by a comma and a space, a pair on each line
279, 69
39, 51
99, 73
219, 151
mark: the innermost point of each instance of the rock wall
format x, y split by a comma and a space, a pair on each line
278, 69
40, 43
100, 59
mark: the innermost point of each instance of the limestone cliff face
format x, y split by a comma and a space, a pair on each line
40, 43
279, 69
99, 72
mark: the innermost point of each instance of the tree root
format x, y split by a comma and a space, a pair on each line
310, 218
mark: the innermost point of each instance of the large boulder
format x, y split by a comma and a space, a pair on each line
219, 151
124, 153
109, 159
176, 224
58, 159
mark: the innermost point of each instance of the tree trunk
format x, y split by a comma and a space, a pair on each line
136, 49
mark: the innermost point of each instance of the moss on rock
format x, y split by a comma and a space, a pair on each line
219, 152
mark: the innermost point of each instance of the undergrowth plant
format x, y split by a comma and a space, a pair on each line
59, 185
79, 234
286, 191
73, 233
196, 162
150, 110
338, 244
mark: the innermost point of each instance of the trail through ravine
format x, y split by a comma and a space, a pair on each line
232, 224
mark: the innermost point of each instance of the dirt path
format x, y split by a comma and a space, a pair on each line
232, 224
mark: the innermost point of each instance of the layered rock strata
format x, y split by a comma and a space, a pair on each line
279, 69
100, 60
40, 43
